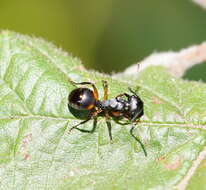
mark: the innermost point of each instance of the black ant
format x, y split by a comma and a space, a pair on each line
130, 107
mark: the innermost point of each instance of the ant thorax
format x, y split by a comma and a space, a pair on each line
114, 105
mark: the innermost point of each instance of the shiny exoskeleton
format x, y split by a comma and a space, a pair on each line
130, 108
122, 106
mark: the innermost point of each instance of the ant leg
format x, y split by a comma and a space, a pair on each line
89, 131
137, 115
120, 95
74, 127
105, 86
109, 126
96, 94
91, 116
124, 94
138, 140
121, 123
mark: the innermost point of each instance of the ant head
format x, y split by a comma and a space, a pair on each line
82, 99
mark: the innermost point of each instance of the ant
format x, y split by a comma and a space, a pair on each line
130, 107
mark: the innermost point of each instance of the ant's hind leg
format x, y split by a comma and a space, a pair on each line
74, 127
105, 87
96, 94
89, 131
138, 140
92, 115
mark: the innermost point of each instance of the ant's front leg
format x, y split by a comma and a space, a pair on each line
138, 140
89, 131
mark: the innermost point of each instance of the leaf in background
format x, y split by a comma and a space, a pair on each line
36, 151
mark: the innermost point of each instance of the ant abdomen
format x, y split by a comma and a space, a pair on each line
82, 99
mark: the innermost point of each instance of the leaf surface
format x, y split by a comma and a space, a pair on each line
36, 151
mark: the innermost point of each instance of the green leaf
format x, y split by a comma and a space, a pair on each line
36, 151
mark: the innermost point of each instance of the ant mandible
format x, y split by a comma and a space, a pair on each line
130, 107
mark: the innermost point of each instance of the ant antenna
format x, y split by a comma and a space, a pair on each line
132, 91
138, 140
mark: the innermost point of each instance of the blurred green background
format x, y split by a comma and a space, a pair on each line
108, 35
